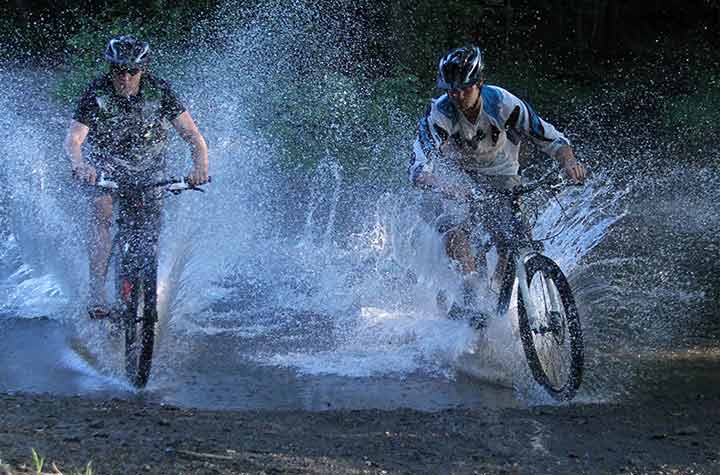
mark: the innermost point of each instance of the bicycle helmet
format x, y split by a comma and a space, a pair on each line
460, 68
126, 50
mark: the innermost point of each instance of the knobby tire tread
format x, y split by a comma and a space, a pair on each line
539, 263
138, 360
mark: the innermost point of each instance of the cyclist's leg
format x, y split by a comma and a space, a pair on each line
454, 226
457, 247
99, 251
502, 224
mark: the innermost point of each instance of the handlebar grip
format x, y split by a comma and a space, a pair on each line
185, 180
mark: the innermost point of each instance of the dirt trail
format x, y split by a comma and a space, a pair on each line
131, 437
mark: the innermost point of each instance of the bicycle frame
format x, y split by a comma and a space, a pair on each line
521, 250
552, 323
137, 237
137, 244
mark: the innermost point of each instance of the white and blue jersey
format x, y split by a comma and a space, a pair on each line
490, 146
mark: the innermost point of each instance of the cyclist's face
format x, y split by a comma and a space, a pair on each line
126, 80
465, 98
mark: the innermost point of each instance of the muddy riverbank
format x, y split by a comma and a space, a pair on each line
678, 434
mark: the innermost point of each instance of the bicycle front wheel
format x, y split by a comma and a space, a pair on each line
550, 329
139, 336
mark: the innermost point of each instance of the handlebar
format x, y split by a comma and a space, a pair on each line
551, 182
173, 185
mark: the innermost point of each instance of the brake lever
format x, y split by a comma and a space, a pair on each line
197, 187
554, 181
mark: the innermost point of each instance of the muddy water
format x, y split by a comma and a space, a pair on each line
44, 356
645, 293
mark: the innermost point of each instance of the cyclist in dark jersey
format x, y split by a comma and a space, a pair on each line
124, 116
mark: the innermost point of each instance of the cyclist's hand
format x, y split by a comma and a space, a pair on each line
84, 172
575, 172
198, 175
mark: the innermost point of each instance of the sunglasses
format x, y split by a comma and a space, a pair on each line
119, 70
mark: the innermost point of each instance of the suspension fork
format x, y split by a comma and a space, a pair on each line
127, 281
138, 251
516, 269
523, 288
553, 294
149, 281
139, 275
507, 284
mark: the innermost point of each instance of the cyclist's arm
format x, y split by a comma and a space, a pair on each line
430, 138
84, 116
188, 130
76, 135
542, 133
427, 145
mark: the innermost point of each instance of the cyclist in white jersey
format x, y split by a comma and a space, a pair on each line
475, 131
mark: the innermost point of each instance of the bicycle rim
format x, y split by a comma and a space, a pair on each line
552, 338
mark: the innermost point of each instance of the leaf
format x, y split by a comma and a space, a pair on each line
37, 461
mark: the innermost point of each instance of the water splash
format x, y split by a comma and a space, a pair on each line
324, 265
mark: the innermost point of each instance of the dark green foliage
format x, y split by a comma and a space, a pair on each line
557, 54
164, 27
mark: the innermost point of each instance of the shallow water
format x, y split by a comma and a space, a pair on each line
315, 287
43, 356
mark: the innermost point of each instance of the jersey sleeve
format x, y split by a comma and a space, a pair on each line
87, 108
428, 139
529, 124
171, 106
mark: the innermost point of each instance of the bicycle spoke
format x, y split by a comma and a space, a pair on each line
550, 329
543, 286
550, 335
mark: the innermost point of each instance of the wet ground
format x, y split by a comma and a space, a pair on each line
208, 410
676, 433
46, 356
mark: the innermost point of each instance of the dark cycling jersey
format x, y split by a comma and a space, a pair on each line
128, 135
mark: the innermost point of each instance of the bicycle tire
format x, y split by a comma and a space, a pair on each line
139, 322
569, 328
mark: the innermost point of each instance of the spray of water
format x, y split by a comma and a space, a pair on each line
321, 264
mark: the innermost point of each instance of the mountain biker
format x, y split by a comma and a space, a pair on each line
125, 114
474, 129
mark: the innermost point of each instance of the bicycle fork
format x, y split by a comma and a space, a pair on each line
524, 289
137, 280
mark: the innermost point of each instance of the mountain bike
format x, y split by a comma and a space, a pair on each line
135, 251
548, 319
